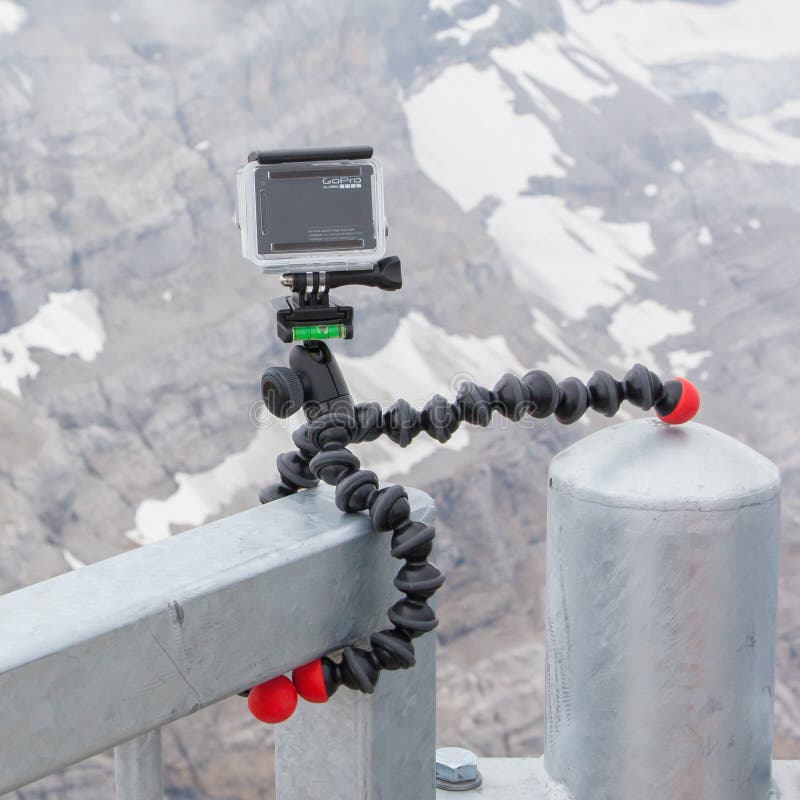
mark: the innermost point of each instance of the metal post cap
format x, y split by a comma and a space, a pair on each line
687, 467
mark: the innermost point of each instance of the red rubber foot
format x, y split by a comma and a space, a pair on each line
273, 701
687, 407
309, 682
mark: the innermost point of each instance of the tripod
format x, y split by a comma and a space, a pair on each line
314, 383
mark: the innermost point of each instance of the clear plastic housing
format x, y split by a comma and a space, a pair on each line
317, 215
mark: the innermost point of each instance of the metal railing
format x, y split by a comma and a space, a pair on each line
661, 592
105, 656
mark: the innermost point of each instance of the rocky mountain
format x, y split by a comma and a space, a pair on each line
572, 185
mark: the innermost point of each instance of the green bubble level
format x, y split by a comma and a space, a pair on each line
305, 333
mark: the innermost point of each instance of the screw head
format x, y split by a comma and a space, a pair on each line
457, 769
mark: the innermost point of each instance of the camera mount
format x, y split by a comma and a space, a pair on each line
311, 314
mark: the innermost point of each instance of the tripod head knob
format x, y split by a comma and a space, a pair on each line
282, 391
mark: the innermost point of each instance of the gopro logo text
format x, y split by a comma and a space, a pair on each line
341, 183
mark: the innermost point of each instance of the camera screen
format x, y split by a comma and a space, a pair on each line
303, 208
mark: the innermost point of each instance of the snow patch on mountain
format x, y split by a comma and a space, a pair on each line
555, 61
448, 6
704, 237
386, 459
681, 362
420, 360
465, 29
468, 138
203, 494
631, 36
550, 332
786, 112
637, 327
466, 111
12, 17
73, 562
541, 235
635, 38
754, 138
67, 325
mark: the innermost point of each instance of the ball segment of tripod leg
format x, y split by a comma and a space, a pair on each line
310, 682
684, 406
273, 701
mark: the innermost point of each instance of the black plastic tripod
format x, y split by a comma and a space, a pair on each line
314, 383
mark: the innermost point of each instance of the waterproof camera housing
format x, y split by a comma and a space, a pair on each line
311, 210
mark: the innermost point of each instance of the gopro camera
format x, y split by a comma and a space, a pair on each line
311, 210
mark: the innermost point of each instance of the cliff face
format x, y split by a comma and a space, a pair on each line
571, 185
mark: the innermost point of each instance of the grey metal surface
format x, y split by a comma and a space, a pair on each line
662, 557
137, 768
526, 779
357, 747
95, 657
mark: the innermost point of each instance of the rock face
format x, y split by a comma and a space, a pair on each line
572, 184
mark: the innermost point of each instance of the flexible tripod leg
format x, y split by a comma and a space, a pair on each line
537, 394
412, 616
293, 468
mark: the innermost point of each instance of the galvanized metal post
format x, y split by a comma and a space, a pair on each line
662, 559
364, 747
137, 768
